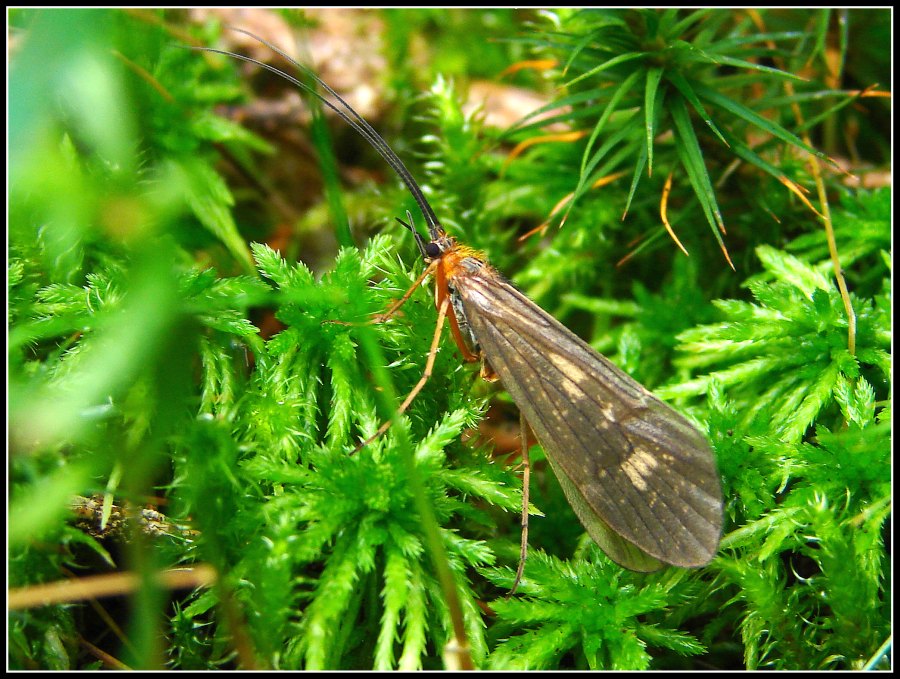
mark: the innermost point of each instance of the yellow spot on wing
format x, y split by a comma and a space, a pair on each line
639, 465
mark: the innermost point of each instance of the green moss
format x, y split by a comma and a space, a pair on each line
158, 349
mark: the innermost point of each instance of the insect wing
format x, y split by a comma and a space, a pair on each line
616, 547
639, 476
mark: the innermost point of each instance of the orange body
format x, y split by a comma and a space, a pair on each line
449, 267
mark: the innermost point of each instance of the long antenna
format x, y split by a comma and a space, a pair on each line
349, 115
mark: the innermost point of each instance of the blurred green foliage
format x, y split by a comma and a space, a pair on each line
174, 277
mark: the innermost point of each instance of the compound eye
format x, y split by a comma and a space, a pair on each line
433, 250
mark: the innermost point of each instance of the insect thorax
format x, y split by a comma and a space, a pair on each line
462, 262
463, 323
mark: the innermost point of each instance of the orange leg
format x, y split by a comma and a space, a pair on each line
429, 365
382, 317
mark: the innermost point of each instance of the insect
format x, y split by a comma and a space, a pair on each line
639, 476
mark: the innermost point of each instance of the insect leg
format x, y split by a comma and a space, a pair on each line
429, 365
526, 481
382, 317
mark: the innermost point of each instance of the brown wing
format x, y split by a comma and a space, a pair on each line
636, 472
